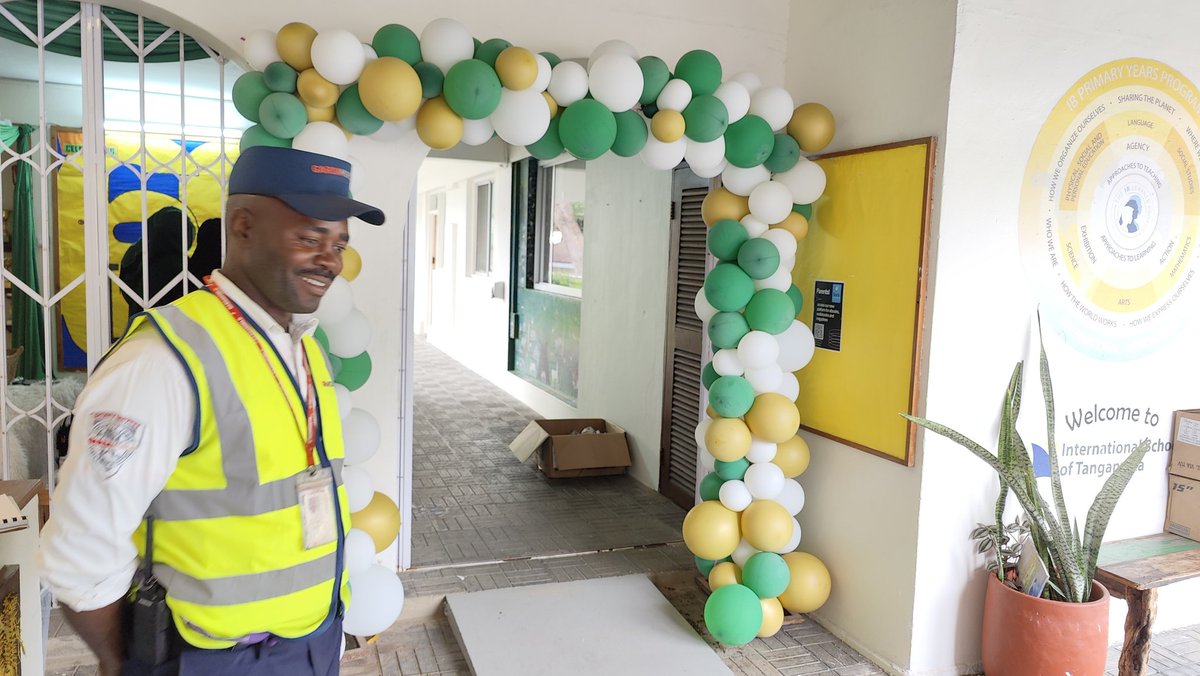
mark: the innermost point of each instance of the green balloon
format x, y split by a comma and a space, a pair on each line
705, 118
733, 614
730, 471
655, 76
710, 486
784, 155
282, 115
770, 310
398, 41
431, 79
759, 258
257, 136
588, 129
797, 298
472, 89
725, 239
488, 50
322, 339
766, 574
280, 77
701, 70
335, 365
704, 566
649, 110
726, 329
749, 142
631, 133
550, 145
552, 58
249, 90
355, 371
804, 210
708, 375
731, 396
353, 115
728, 288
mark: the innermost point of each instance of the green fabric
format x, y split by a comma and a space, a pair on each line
58, 12
27, 328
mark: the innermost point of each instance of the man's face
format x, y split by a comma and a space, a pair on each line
293, 257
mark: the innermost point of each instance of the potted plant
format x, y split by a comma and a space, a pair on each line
1065, 629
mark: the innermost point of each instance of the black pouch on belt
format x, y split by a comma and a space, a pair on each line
150, 635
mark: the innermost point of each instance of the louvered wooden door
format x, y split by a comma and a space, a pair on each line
683, 398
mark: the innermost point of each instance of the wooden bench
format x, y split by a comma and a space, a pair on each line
1133, 570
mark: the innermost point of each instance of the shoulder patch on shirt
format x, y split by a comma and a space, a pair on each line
112, 439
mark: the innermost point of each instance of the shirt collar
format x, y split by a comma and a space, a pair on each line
302, 325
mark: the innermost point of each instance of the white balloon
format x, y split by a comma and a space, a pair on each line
357, 175
754, 227
764, 379
743, 553
806, 181
796, 346
749, 81
794, 542
445, 42
789, 386
726, 363
358, 487
337, 302
770, 202
761, 450
478, 132
709, 172
522, 116
344, 401
781, 279
360, 436
709, 154
568, 83
791, 497
324, 138
618, 47
663, 156
735, 496
785, 243
360, 551
259, 49
351, 336
704, 309
758, 349
616, 81
369, 54
701, 430
736, 99
742, 182
376, 601
707, 461
338, 56
543, 75
676, 95
765, 480
773, 104
394, 131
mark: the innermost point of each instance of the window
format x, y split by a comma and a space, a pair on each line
483, 227
559, 241
435, 236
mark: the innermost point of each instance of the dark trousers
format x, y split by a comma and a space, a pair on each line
315, 655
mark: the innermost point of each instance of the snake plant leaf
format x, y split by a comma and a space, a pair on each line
1048, 395
1104, 504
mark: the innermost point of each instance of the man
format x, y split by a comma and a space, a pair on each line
210, 437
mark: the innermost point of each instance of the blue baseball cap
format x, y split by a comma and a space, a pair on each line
314, 185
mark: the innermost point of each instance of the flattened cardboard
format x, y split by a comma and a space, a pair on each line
1185, 445
529, 440
1183, 507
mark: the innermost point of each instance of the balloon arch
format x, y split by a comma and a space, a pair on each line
313, 91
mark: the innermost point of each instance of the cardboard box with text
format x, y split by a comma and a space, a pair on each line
1185, 445
1183, 507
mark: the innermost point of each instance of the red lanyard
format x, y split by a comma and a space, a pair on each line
310, 403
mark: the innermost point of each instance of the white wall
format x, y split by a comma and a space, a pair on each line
883, 69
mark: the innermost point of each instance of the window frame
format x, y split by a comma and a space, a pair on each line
486, 270
544, 197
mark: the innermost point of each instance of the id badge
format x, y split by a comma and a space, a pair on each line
314, 488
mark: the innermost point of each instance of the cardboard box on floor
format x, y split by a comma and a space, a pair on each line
1183, 482
563, 451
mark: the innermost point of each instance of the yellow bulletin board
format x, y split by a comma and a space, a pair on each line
869, 236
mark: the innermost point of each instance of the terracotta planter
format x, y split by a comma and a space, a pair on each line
1023, 635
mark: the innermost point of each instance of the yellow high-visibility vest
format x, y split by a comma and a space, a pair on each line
228, 541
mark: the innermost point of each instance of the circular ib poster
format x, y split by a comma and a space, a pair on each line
1110, 209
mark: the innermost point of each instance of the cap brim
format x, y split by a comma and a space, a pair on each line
332, 207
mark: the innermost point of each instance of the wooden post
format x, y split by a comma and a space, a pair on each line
1143, 606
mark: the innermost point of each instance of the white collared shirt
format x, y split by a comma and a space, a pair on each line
140, 393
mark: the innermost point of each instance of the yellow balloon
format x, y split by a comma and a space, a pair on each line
517, 68
772, 617
380, 519
294, 44
551, 103
767, 525
719, 204
773, 417
724, 573
795, 223
667, 126
438, 126
351, 264
390, 89
316, 114
316, 91
792, 456
711, 412
813, 127
711, 531
809, 586
728, 439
